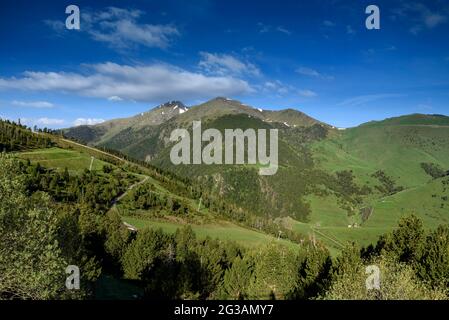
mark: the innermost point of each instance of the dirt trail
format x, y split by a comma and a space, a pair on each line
328, 237
94, 149
130, 188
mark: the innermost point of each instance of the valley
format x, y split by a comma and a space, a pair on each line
307, 188
334, 190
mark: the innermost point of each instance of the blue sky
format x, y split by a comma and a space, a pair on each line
315, 56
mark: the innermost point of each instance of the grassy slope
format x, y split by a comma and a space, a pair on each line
398, 150
395, 146
77, 161
220, 229
57, 158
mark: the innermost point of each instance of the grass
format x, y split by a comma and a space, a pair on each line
425, 201
57, 158
331, 223
221, 230
398, 150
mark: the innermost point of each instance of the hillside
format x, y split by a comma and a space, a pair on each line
327, 178
61, 154
127, 223
102, 132
138, 126
398, 147
415, 119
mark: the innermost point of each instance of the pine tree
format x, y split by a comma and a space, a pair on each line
275, 273
434, 264
31, 263
406, 242
237, 279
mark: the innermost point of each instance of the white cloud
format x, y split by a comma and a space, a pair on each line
32, 104
123, 33
263, 28
313, 73
280, 89
115, 98
149, 83
283, 30
87, 121
277, 86
308, 72
222, 64
44, 121
307, 93
50, 121
120, 29
270, 85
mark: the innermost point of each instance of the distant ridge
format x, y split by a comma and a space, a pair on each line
182, 115
414, 119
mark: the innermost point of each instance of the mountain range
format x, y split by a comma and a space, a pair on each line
350, 184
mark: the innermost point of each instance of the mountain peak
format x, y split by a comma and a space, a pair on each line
224, 99
173, 104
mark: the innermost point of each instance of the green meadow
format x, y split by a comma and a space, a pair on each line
57, 158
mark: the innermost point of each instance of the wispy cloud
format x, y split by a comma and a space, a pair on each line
361, 100
264, 28
120, 28
42, 121
372, 51
32, 104
225, 64
281, 89
115, 98
277, 87
432, 20
313, 73
147, 83
420, 15
87, 121
307, 93
328, 23
283, 30
57, 26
